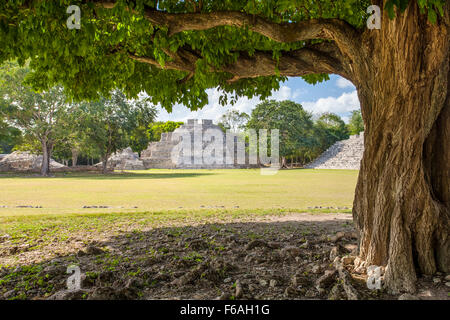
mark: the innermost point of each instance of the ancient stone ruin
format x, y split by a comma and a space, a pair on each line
158, 154
161, 154
25, 161
345, 154
125, 159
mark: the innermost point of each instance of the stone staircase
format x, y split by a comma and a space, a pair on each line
345, 154
159, 154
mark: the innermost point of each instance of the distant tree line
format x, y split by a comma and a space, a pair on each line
302, 137
71, 132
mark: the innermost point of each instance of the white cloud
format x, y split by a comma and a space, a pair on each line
345, 103
344, 83
299, 92
214, 110
284, 93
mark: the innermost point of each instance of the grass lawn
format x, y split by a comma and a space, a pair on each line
156, 190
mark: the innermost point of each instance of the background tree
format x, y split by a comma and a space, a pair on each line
9, 137
293, 122
329, 128
334, 125
74, 139
233, 120
139, 139
140, 136
155, 129
356, 124
173, 51
109, 122
38, 115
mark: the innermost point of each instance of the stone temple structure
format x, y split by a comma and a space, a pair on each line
345, 154
164, 155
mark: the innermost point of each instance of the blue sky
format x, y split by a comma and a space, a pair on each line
337, 95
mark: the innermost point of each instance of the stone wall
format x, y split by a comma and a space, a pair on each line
345, 154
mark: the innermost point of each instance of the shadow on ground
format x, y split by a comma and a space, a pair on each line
239, 260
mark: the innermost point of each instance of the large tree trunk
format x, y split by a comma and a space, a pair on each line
402, 197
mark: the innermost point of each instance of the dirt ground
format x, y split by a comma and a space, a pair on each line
292, 256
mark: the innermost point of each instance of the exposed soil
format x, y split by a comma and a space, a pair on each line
271, 257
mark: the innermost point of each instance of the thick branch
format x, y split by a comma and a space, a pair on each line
297, 63
345, 35
320, 58
332, 29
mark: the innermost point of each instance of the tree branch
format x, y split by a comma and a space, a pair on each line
329, 29
347, 38
319, 58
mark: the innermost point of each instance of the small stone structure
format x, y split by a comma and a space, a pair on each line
125, 159
345, 154
25, 161
159, 154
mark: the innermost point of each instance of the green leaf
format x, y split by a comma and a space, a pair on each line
432, 15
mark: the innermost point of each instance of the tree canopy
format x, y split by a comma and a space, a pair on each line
295, 125
164, 47
329, 129
109, 122
155, 129
233, 120
356, 124
38, 115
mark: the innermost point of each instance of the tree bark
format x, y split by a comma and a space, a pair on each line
401, 205
283, 163
105, 164
105, 161
45, 170
46, 154
75, 153
47, 148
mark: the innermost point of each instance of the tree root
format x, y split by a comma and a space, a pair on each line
345, 277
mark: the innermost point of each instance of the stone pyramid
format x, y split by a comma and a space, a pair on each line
345, 154
159, 154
